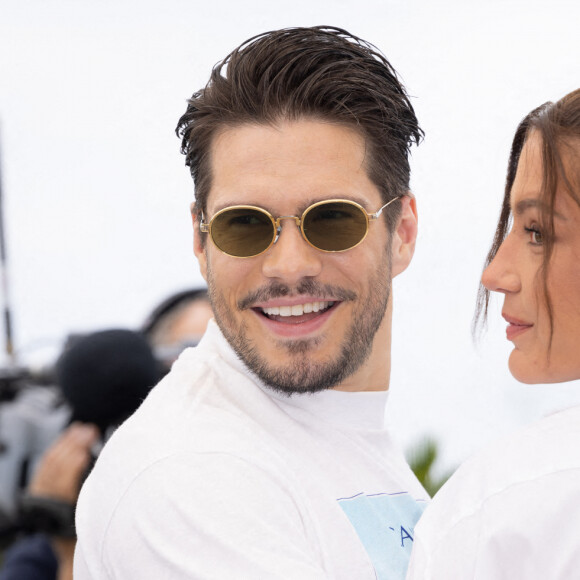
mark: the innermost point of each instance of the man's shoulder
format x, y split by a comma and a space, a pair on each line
194, 462
187, 416
202, 409
183, 501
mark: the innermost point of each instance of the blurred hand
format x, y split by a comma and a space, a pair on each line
59, 473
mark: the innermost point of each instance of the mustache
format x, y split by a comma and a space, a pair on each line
278, 290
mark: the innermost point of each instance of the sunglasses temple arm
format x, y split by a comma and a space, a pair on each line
203, 227
377, 214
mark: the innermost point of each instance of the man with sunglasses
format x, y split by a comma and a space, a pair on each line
263, 454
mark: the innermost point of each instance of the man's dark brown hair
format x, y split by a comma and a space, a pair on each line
320, 73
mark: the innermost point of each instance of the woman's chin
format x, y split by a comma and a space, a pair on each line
532, 371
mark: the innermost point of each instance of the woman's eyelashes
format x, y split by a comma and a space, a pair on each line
536, 238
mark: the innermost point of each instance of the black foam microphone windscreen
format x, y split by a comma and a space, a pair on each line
106, 375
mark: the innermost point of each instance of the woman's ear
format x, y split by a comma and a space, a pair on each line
199, 243
405, 235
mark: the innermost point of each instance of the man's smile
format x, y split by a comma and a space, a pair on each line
297, 313
297, 309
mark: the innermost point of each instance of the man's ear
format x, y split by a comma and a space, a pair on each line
198, 242
405, 235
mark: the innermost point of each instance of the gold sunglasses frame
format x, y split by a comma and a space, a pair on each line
206, 227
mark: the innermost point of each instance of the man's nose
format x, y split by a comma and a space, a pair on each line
291, 258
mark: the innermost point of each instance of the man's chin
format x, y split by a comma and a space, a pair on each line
290, 349
294, 373
290, 388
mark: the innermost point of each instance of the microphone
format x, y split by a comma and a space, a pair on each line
106, 375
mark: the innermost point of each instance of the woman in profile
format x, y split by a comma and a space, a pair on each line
513, 511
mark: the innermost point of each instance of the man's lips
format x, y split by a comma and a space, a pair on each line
515, 326
294, 310
295, 317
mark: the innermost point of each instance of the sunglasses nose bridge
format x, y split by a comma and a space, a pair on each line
286, 217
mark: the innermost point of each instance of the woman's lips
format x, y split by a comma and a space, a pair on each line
515, 326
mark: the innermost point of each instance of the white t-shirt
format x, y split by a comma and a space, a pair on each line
511, 512
216, 476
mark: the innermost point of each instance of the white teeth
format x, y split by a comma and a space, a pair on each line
297, 309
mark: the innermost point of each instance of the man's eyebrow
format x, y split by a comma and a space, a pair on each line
301, 208
533, 203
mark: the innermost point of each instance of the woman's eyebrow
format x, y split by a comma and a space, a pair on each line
533, 203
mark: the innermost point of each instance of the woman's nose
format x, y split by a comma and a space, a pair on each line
501, 274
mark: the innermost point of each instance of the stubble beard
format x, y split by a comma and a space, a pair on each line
304, 375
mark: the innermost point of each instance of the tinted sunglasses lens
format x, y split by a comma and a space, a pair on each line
335, 226
242, 232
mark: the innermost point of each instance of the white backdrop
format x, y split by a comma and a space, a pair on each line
97, 196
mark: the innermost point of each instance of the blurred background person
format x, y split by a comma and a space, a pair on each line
103, 377
176, 323
50, 500
32, 414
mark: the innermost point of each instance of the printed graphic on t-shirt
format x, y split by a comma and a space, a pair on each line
385, 524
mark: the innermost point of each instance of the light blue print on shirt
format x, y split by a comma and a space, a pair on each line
385, 524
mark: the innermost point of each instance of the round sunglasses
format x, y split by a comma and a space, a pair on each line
333, 225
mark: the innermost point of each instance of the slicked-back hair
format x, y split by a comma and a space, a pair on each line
320, 73
558, 125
